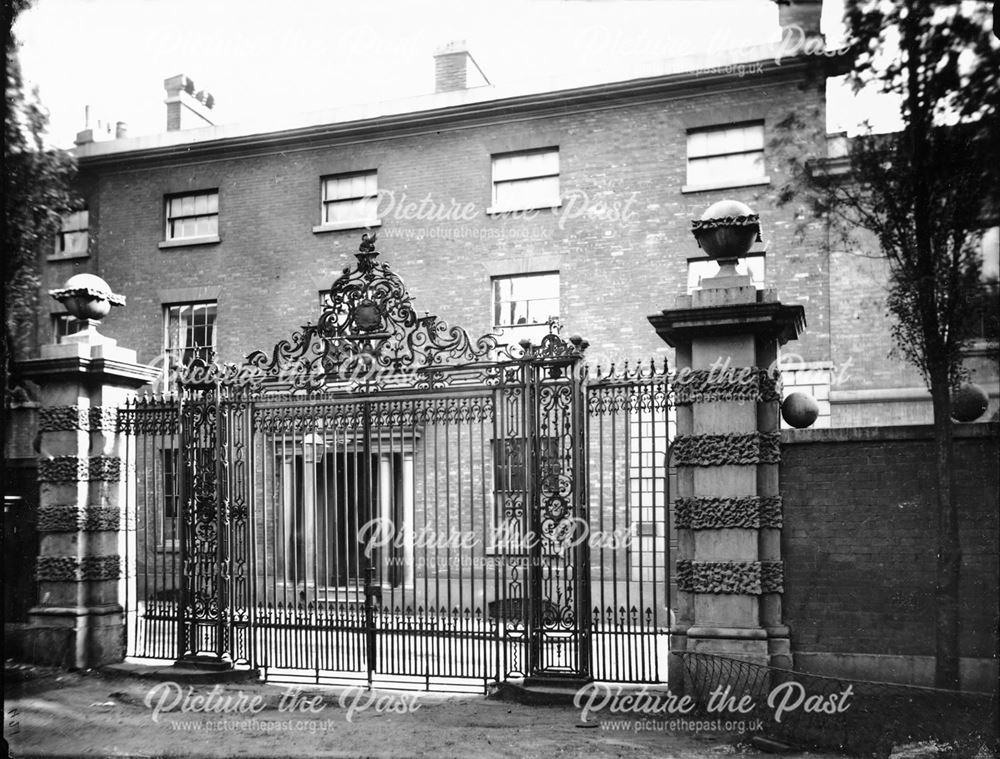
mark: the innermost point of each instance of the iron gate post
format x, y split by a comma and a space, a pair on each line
557, 465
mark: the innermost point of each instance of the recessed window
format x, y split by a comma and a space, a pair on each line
189, 332
726, 156
194, 216
64, 325
705, 268
74, 235
986, 302
525, 180
525, 304
350, 200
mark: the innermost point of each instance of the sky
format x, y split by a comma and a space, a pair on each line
109, 58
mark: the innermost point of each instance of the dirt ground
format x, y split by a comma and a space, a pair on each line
50, 713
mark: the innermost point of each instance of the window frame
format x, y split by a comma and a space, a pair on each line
169, 352
59, 317
730, 181
514, 329
497, 209
987, 294
325, 202
59, 252
170, 241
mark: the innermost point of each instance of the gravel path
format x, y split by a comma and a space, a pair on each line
53, 713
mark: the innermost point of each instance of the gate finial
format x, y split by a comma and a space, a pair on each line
366, 252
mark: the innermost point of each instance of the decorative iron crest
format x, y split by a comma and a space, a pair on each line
732, 448
742, 512
369, 336
368, 327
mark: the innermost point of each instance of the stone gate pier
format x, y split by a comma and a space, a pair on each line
82, 524
728, 507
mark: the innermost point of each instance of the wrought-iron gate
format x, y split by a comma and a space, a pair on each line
383, 497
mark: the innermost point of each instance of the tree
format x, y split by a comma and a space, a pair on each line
924, 193
36, 195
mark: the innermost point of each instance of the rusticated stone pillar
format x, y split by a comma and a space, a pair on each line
82, 525
728, 506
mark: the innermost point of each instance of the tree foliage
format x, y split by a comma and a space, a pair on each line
37, 193
924, 195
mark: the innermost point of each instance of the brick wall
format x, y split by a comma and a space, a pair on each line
270, 264
860, 535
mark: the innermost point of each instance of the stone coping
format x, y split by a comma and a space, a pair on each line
980, 430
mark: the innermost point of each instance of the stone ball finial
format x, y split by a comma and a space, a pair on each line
969, 402
799, 410
727, 230
87, 297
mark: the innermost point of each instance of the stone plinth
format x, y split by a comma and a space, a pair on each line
728, 506
83, 487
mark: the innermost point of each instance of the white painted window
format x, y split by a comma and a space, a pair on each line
523, 304
192, 216
526, 180
731, 155
189, 332
74, 235
350, 199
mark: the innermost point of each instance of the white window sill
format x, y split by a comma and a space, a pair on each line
341, 226
66, 256
726, 185
186, 241
494, 211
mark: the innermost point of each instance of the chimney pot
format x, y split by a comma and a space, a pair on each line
805, 14
121, 130
452, 65
185, 109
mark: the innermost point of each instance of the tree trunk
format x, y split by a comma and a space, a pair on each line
949, 552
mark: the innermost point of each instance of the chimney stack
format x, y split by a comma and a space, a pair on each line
187, 109
804, 14
453, 65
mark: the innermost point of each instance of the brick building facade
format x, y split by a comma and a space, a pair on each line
495, 209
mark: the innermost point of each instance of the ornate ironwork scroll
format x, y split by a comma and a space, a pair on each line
368, 332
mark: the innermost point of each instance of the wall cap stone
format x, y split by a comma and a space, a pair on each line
980, 430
